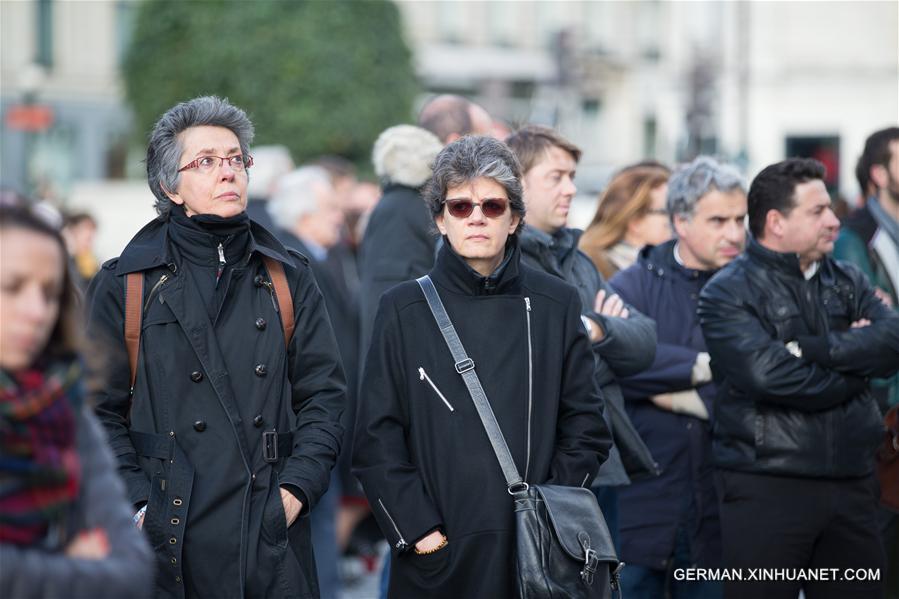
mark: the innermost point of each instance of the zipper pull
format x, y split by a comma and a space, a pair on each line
421, 374
221, 269
527, 303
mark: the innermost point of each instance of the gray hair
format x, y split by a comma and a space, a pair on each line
472, 157
690, 182
164, 148
296, 194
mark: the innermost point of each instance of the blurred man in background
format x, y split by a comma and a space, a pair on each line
306, 210
869, 239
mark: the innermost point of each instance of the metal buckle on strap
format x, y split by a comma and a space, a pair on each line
590, 563
270, 446
465, 365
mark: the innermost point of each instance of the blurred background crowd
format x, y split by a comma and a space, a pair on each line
646, 83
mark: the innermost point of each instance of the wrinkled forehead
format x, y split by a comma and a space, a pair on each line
206, 139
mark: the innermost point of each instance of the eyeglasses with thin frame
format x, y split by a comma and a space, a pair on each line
491, 208
206, 164
659, 211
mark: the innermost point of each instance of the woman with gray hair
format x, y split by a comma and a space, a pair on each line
225, 424
421, 452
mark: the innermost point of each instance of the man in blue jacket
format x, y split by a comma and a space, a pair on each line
671, 521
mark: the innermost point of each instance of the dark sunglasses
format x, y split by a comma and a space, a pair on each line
492, 208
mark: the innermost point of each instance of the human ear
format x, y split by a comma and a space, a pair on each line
680, 224
879, 176
514, 224
172, 196
441, 226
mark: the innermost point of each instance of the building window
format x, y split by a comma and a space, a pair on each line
823, 148
44, 37
590, 107
650, 133
126, 13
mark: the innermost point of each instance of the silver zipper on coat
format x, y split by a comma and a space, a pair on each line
222, 263
423, 376
584, 484
158, 284
527, 305
401, 544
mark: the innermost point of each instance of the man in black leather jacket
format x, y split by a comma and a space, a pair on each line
794, 335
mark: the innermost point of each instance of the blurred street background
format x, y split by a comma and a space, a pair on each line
82, 82
752, 82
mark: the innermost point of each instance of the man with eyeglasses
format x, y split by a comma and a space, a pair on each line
623, 339
225, 421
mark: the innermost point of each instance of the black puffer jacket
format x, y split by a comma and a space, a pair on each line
779, 414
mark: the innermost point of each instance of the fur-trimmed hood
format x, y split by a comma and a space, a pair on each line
404, 154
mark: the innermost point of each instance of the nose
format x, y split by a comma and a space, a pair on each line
226, 171
832, 221
735, 232
477, 215
569, 188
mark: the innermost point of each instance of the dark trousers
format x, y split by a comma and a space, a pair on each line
799, 523
640, 582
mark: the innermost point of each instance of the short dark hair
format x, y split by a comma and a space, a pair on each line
164, 148
774, 187
531, 142
469, 158
64, 339
446, 114
877, 151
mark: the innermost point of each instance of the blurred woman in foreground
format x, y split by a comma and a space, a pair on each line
630, 215
65, 527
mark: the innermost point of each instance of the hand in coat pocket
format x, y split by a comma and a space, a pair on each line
292, 506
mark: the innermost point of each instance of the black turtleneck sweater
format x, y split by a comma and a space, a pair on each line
208, 247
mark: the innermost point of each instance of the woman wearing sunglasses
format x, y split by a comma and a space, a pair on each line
421, 452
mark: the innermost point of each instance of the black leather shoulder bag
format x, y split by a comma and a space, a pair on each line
563, 545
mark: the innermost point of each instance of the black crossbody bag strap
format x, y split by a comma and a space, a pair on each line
465, 367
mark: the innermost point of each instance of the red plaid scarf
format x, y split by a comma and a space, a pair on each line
39, 467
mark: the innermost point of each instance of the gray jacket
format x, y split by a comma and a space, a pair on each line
126, 572
629, 344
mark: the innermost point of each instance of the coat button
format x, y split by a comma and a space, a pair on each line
199, 426
261, 370
260, 324
258, 280
196, 376
258, 421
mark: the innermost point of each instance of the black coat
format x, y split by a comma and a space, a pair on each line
796, 416
399, 244
421, 452
629, 343
190, 443
650, 511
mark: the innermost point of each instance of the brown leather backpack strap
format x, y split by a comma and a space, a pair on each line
282, 291
134, 296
